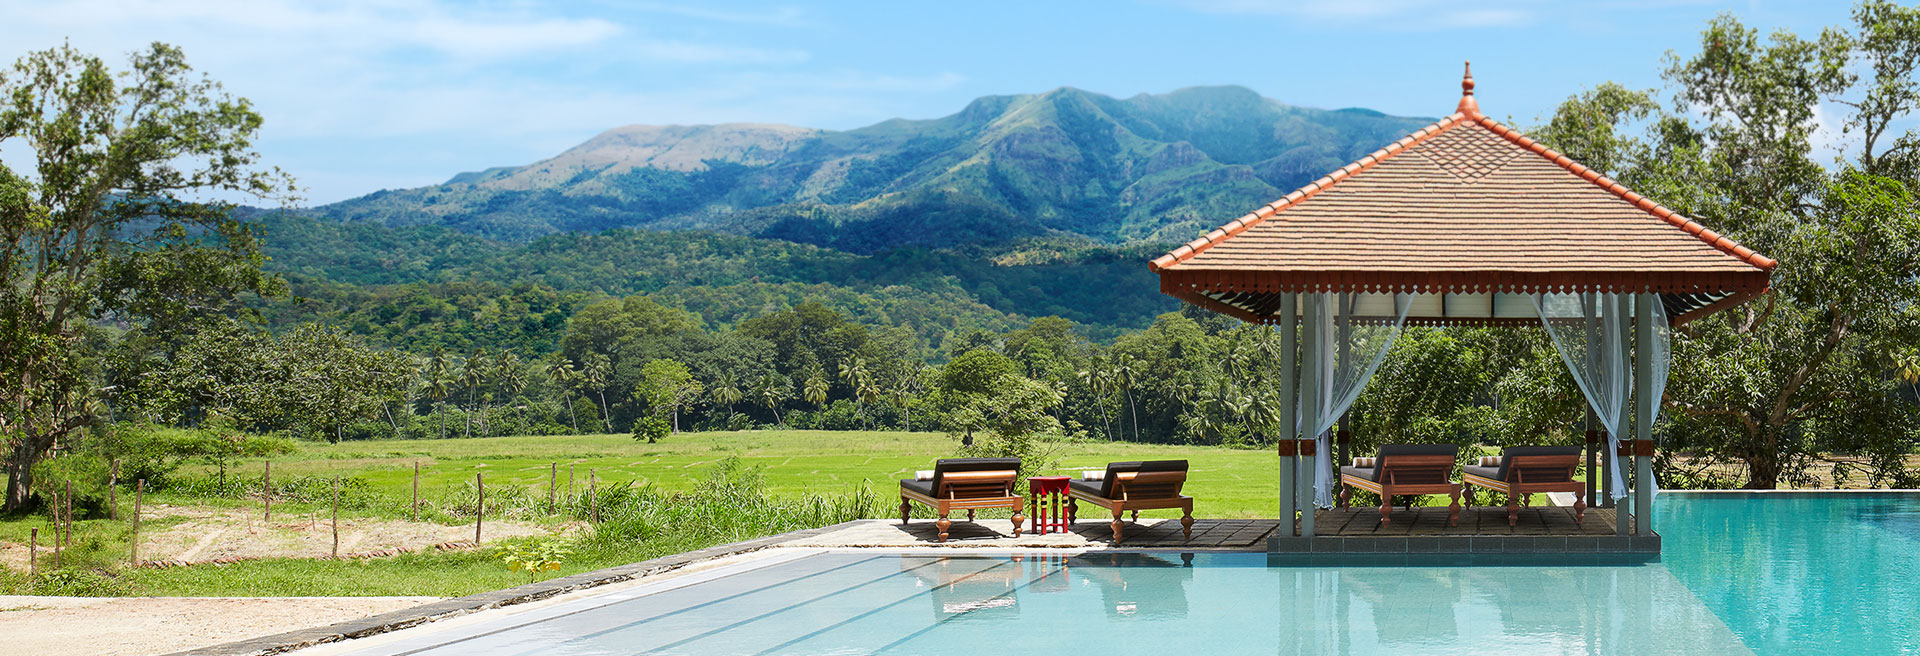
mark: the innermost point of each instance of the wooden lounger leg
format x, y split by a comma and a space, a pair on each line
1136, 516
1117, 525
906, 510
1453, 512
1017, 520
1386, 508
1346, 493
1073, 511
1579, 505
969, 515
1513, 509
1186, 521
942, 525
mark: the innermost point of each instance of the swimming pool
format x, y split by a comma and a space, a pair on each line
1741, 574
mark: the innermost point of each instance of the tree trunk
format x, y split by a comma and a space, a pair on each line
570, 416
606, 422
26, 452
1136, 415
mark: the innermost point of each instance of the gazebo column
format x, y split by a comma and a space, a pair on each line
1311, 364
1623, 507
1644, 412
1289, 433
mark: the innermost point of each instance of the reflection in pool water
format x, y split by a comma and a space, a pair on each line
1740, 576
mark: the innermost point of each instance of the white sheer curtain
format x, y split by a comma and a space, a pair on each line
1343, 342
1594, 334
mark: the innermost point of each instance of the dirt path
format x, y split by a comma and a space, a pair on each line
207, 534
159, 625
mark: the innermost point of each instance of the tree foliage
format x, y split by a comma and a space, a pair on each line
112, 222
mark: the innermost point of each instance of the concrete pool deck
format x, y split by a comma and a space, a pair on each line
1481, 530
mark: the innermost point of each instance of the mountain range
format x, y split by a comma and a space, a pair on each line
1004, 169
980, 220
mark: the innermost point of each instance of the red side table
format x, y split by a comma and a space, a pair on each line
1049, 513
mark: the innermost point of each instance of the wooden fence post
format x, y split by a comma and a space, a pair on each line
266, 491
553, 476
33, 552
55, 514
113, 489
68, 540
336, 516
139, 490
480, 506
416, 490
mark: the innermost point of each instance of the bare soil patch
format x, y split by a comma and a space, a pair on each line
159, 625
204, 535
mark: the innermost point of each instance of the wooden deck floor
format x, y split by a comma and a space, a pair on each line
1348, 530
1430, 520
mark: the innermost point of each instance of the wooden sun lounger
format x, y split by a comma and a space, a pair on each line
1405, 469
965, 484
1527, 470
1133, 487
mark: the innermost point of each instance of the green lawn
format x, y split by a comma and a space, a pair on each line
801, 470
1226, 482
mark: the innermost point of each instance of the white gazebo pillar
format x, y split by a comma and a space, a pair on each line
1644, 412
1289, 396
1312, 361
1623, 507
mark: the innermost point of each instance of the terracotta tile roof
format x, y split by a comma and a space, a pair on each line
1464, 205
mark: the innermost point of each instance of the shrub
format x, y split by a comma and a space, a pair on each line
652, 429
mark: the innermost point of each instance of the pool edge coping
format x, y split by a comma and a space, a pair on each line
405, 618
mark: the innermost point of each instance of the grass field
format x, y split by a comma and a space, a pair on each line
687, 492
1226, 482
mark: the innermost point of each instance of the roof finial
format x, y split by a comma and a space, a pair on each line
1468, 105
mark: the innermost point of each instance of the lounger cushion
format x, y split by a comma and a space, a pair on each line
1507, 454
946, 465
1484, 472
1388, 451
922, 487
1087, 487
1366, 473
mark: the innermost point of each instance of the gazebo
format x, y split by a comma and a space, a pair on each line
1466, 222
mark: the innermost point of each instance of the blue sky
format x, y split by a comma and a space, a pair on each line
361, 95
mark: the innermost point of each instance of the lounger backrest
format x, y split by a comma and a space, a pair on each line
1415, 463
1538, 464
979, 477
1149, 485
1116, 469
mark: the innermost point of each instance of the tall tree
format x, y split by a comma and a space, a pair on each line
561, 375
109, 223
438, 375
1794, 377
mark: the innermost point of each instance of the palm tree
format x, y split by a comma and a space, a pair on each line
815, 389
772, 390
1906, 367
438, 374
561, 374
473, 373
512, 376
1094, 377
854, 372
726, 392
595, 372
1124, 372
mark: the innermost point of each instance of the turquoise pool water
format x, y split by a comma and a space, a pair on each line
1775, 574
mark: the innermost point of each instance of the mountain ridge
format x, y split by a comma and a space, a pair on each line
1003, 169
